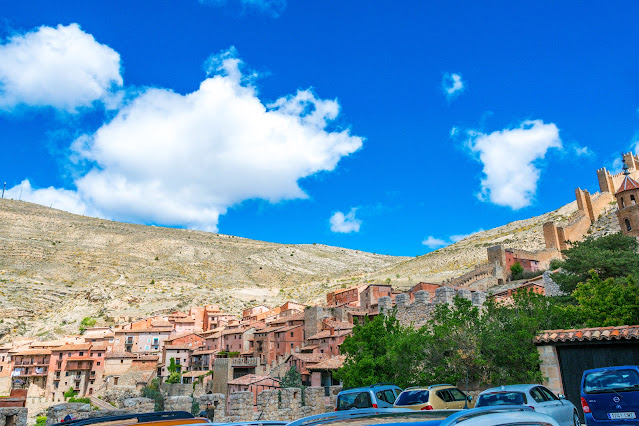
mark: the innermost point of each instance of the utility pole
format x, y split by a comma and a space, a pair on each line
3, 187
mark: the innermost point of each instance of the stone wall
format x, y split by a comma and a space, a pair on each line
13, 416
421, 310
550, 286
178, 403
217, 400
550, 368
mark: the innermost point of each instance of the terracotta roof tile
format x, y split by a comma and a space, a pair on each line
327, 333
588, 334
28, 352
309, 358
332, 363
627, 185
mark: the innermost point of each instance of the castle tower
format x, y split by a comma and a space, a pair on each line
627, 198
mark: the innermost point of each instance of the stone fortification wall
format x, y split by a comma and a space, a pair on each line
14, 416
421, 310
484, 272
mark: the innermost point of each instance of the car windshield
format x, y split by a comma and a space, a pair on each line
611, 381
347, 401
500, 398
412, 397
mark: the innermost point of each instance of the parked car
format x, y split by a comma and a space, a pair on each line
610, 395
435, 397
379, 395
485, 416
536, 397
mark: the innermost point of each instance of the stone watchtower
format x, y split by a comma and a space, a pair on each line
627, 197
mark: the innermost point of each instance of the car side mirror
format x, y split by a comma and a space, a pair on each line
469, 398
561, 396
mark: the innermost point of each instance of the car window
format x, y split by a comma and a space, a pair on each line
412, 397
457, 394
386, 395
397, 392
549, 395
354, 400
611, 381
537, 395
445, 395
500, 398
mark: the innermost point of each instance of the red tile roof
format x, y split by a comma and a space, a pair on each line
249, 379
28, 352
622, 332
308, 358
332, 363
627, 184
327, 334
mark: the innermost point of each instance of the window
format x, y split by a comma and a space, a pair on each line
632, 200
291, 334
81, 354
623, 205
98, 363
628, 227
537, 395
386, 396
548, 395
99, 356
66, 373
121, 361
445, 395
457, 394
115, 380
1, 367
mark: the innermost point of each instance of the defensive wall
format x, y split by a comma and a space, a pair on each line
421, 310
273, 404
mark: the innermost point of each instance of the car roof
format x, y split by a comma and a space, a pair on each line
621, 367
510, 388
371, 387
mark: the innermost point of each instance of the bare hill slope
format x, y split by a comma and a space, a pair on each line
57, 268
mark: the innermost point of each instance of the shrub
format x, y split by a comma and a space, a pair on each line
41, 421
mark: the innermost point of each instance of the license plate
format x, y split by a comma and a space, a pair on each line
626, 415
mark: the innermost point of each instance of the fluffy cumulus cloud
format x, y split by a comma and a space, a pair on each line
183, 160
452, 85
433, 242
61, 67
509, 159
345, 223
272, 8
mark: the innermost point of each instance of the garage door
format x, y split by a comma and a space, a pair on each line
575, 359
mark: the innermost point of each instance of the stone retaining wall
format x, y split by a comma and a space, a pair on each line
13, 416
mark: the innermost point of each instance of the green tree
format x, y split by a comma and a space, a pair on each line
292, 379
175, 376
382, 350
70, 393
610, 256
172, 368
86, 323
152, 391
516, 271
610, 302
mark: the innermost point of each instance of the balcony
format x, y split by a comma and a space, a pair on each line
245, 362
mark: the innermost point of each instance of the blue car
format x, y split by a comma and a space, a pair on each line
610, 396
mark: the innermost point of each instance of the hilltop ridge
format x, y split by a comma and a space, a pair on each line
57, 268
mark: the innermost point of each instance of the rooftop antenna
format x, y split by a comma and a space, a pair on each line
3, 188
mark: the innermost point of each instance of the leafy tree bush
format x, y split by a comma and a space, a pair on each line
516, 271
86, 323
41, 421
80, 400
292, 379
152, 391
610, 256
70, 393
174, 375
610, 302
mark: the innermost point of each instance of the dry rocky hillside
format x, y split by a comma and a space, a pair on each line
57, 268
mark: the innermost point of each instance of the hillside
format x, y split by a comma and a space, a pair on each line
57, 268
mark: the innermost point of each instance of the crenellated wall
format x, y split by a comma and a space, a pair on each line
421, 310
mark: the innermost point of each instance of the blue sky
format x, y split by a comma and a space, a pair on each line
389, 127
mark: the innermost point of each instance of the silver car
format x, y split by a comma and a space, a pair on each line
536, 397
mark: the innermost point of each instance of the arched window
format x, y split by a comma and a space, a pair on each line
632, 200
628, 227
623, 205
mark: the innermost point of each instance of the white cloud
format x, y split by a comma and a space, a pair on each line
452, 85
583, 151
61, 199
508, 157
345, 224
61, 67
432, 242
459, 237
272, 8
183, 160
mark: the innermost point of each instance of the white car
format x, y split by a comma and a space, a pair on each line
536, 397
